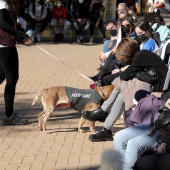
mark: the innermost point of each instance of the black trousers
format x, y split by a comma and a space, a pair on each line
44, 23
9, 70
153, 162
107, 76
92, 27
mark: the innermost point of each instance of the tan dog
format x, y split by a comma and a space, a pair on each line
56, 97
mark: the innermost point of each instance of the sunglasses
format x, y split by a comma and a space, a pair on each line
127, 25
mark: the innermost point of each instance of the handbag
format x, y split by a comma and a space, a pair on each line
148, 75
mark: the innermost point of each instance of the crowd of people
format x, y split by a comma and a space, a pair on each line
84, 15
138, 41
130, 60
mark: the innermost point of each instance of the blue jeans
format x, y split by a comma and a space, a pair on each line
105, 46
134, 141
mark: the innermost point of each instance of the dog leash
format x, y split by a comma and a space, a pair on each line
63, 63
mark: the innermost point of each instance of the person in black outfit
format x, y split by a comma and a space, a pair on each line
9, 58
81, 17
96, 18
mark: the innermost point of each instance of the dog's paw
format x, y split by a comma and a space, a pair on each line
46, 132
40, 128
81, 130
92, 129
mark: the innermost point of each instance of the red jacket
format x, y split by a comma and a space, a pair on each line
59, 13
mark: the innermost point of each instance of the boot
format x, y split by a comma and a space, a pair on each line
103, 135
96, 115
95, 78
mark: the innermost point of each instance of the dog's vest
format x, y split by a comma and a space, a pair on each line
79, 98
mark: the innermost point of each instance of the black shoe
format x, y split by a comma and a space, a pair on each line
14, 120
103, 135
97, 115
56, 37
95, 78
61, 37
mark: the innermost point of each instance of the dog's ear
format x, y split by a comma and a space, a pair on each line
105, 91
99, 90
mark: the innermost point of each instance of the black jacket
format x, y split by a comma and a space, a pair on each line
146, 59
8, 31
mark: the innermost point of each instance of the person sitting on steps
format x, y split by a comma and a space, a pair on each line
59, 19
126, 86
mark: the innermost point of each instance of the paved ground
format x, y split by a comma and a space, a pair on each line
27, 148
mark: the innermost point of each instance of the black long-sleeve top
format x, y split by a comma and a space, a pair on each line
7, 25
146, 59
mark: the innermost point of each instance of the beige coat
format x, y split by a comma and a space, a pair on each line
129, 88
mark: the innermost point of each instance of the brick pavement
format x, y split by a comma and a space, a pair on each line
27, 148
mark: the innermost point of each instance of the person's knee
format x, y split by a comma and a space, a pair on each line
106, 42
53, 22
119, 140
2, 78
68, 24
106, 81
12, 81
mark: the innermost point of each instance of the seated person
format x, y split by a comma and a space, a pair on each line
112, 27
134, 141
132, 10
144, 35
158, 156
121, 6
21, 24
127, 27
126, 86
107, 77
103, 56
59, 19
159, 19
155, 6
164, 32
38, 13
96, 19
49, 12
81, 17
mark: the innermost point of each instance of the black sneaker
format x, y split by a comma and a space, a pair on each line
56, 37
14, 120
94, 78
103, 135
61, 37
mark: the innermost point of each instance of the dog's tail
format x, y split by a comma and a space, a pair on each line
37, 97
112, 160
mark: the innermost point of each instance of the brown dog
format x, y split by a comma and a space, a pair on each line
59, 97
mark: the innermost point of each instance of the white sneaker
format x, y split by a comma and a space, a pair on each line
91, 40
78, 39
38, 37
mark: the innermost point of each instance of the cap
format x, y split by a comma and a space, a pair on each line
141, 94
